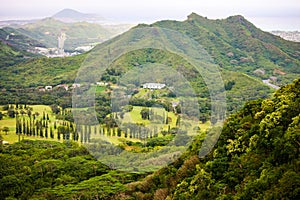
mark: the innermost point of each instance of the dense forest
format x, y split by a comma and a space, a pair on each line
53, 170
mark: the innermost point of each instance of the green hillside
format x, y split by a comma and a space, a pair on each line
41, 72
237, 45
14, 38
10, 56
256, 157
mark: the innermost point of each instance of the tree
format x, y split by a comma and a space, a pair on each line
1, 115
5, 129
145, 113
178, 121
29, 113
119, 132
229, 85
51, 133
22, 112
11, 113
5, 107
46, 132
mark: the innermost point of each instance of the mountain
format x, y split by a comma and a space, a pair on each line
20, 41
256, 157
82, 30
245, 56
10, 55
46, 32
69, 15
237, 45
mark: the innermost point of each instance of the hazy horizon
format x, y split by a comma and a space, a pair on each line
278, 15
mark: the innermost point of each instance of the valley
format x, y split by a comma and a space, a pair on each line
213, 114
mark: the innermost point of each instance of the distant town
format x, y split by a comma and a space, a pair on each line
288, 35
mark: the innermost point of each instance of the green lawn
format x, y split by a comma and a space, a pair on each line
100, 89
11, 123
134, 117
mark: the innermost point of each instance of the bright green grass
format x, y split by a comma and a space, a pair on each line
142, 93
100, 89
11, 123
134, 117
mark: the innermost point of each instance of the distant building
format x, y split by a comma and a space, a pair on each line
101, 83
48, 87
154, 86
61, 41
66, 87
3, 142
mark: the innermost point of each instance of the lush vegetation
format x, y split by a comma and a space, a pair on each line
237, 45
41, 72
51, 170
20, 41
257, 156
10, 56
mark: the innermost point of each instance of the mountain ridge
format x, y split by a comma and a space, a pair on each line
70, 15
235, 42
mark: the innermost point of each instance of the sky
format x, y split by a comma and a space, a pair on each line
267, 15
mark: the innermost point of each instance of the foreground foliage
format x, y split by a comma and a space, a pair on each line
52, 170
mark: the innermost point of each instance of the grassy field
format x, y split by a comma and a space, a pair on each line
11, 136
100, 89
134, 117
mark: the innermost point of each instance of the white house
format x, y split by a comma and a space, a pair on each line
154, 86
101, 83
48, 87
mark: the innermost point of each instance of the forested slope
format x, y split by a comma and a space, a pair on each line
256, 156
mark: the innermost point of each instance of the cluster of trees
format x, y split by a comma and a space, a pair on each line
32, 96
149, 103
34, 127
64, 128
30, 123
